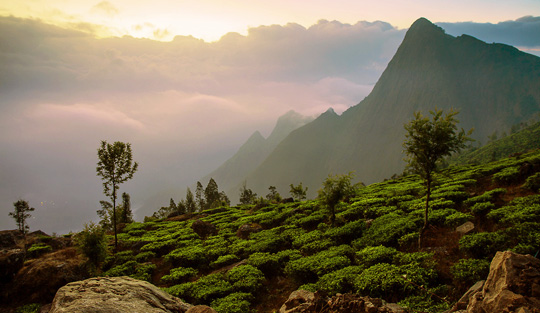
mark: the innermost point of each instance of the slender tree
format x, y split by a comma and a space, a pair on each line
427, 142
115, 166
247, 196
20, 215
336, 189
211, 194
199, 197
127, 214
298, 192
191, 206
273, 195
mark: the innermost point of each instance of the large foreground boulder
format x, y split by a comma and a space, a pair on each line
115, 294
513, 285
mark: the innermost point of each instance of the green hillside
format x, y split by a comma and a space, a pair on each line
369, 251
519, 142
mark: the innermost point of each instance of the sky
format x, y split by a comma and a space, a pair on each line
187, 82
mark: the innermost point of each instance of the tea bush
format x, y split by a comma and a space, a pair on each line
179, 274
483, 245
468, 271
238, 302
246, 278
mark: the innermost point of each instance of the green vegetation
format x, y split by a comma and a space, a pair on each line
20, 215
92, 243
372, 248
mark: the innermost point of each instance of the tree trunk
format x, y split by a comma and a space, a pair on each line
114, 218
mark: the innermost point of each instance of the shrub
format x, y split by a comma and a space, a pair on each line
532, 182
238, 302
266, 262
92, 242
145, 256
38, 249
340, 281
488, 196
246, 278
457, 219
483, 245
308, 268
520, 210
29, 308
144, 271
188, 256
382, 280
347, 232
468, 271
482, 207
507, 175
224, 260
387, 229
179, 274
207, 288
370, 256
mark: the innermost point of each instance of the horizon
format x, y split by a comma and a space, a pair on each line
186, 105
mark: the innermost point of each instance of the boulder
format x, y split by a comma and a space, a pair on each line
513, 285
465, 228
204, 229
11, 261
115, 294
298, 301
302, 301
245, 230
39, 279
201, 309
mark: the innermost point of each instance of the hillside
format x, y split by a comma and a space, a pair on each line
494, 86
237, 258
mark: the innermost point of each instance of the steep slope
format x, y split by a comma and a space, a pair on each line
253, 152
494, 86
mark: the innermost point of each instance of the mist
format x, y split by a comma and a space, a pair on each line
184, 105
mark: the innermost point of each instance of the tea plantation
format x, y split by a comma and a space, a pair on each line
372, 250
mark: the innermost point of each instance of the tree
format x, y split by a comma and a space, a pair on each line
20, 215
191, 206
273, 195
115, 166
199, 197
225, 201
92, 242
126, 213
212, 195
298, 192
106, 215
427, 143
247, 196
335, 189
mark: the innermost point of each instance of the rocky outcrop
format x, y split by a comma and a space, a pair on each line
204, 229
11, 261
39, 279
115, 294
247, 229
201, 309
302, 301
513, 285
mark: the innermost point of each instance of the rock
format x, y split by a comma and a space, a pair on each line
245, 230
11, 261
9, 238
513, 285
464, 301
39, 279
115, 294
465, 228
204, 229
201, 309
298, 300
302, 301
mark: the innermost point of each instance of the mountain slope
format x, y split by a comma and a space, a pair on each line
494, 86
253, 152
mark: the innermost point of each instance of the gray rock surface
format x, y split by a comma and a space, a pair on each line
115, 294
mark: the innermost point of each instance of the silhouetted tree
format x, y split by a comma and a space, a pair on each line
212, 195
199, 197
247, 196
20, 215
126, 213
335, 189
224, 199
115, 166
427, 143
191, 206
298, 192
273, 195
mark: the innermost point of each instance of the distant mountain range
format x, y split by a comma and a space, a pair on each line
494, 86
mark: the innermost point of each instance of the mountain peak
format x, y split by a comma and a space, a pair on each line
423, 24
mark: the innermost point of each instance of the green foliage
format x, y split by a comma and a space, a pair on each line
145, 256
532, 182
457, 219
483, 245
308, 268
238, 302
224, 260
247, 196
20, 215
38, 249
187, 256
520, 210
387, 229
179, 274
482, 208
507, 175
115, 166
335, 189
370, 256
468, 271
209, 288
488, 196
266, 262
246, 278
298, 192
92, 242
29, 308
340, 281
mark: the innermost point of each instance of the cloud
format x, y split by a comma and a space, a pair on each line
522, 32
105, 7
